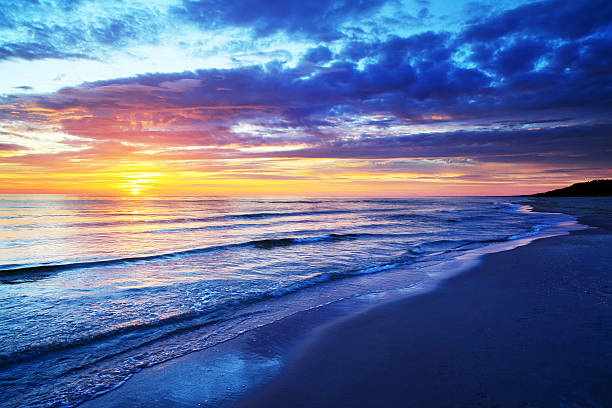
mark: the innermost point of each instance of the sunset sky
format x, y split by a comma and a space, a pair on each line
320, 98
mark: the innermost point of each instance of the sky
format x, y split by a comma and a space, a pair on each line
384, 98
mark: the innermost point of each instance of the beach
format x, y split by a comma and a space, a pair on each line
531, 326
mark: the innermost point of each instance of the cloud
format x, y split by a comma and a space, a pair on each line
318, 55
544, 55
383, 98
574, 144
557, 18
8, 147
32, 51
67, 30
320, 20
519, 55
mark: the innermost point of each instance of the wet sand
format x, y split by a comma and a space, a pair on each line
529, 327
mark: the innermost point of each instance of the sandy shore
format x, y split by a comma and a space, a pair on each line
530, 327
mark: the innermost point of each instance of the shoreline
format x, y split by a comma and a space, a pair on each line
269, 351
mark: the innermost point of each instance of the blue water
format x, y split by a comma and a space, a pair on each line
94, 289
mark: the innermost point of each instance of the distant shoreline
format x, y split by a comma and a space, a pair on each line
593, 188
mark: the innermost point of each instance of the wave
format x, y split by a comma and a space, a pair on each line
510, 207
35, 351
410, 201
179, 220
412, 217
185, 322
259, 215
13, 269
214, 314
534, 231
10, 269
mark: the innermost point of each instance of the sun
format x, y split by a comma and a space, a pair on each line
137, 186
136, 183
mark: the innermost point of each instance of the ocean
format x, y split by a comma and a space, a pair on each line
94, 289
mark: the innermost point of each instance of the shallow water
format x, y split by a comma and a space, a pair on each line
94, 289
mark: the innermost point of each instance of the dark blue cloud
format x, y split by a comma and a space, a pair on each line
545, 55
558, 18
313, 19
519, 55
318, 55
356, 50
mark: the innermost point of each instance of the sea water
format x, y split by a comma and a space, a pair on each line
93, 289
